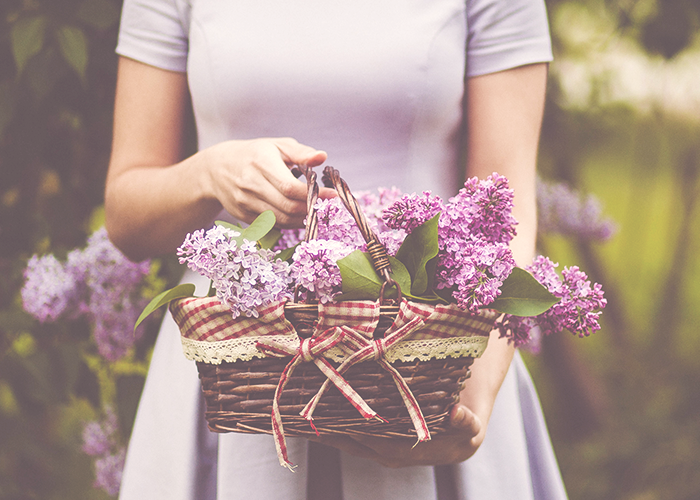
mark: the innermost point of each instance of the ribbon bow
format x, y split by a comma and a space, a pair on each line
309, 350
376, 349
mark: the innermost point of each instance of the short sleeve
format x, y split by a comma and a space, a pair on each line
504, 34
155, 32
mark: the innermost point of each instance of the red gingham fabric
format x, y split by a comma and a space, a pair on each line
207, 319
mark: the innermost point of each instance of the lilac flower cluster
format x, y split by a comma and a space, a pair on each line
335, 223
473, 235
244, 276
578, 309
314, 267
411, 211
100, 441
565, 211
474, 230
49, 290
98, 283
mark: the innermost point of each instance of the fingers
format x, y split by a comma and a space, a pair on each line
255, 176
294, 153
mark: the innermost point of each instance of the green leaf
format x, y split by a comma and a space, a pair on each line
27, 37
100, 14
417, 250
523, 295
235, 227
262, 225
270, 239
180, 291
73, 45
287, 253
361, 281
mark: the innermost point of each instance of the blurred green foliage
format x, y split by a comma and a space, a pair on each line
623, 406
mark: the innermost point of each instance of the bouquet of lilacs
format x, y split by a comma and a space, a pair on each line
440, 252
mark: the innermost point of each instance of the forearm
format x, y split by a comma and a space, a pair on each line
150, 209
503, 135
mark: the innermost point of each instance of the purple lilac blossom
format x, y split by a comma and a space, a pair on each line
412, 210
49, 289
100, 442
474, 230
483, 209
578, 309
245, 277
337, 224
108, 472
288, 239
565, 211
98, 283
483, 268
112, 302
99, 437
314, 267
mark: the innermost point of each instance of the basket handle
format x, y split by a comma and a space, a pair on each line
376, 250
311, 229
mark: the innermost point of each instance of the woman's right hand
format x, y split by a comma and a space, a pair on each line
249, 177
153, 197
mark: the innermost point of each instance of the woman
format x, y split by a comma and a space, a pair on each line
379, 86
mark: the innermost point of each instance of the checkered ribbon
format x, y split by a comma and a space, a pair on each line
309, 350
375, 349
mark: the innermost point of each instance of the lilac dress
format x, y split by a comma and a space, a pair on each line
379, 85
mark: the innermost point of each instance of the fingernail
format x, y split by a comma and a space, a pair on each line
459, 416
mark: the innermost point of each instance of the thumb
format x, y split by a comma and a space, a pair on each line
462, 419
294, 153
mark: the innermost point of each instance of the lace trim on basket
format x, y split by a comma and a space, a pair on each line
244, 349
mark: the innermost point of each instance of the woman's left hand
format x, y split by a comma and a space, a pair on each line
457, 444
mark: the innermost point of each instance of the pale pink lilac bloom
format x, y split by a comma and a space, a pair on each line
49, 290
336, 223
373, 206
314, 267
244, 276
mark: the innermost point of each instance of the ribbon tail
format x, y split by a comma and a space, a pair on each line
276, 417
346, 389
409, 400
310, 407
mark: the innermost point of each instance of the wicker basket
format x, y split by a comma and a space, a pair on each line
417, 358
